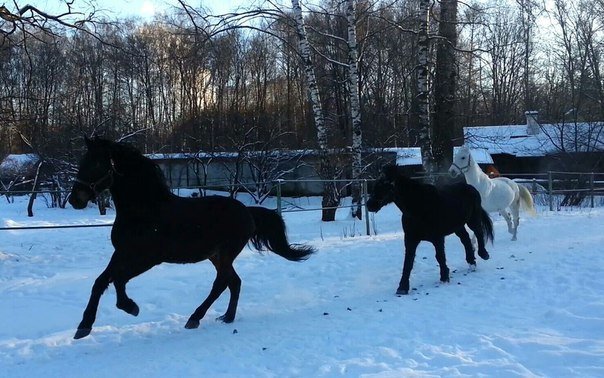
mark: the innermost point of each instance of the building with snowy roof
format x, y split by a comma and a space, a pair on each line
540, 147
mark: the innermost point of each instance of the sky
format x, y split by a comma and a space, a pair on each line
535, 309
141, 8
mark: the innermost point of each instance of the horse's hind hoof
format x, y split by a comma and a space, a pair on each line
484, 255
192, 324
130, 308
226, 319
402, 292
81, 332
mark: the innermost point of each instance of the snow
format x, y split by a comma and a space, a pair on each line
13, 163
535, 309
413, 155
550, 138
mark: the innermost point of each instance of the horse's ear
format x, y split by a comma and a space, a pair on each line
390, 171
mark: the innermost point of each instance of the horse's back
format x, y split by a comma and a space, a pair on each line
501, 195
219, 211
443, 210
186, 229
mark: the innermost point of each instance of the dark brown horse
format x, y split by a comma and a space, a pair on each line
153, 226
430, 213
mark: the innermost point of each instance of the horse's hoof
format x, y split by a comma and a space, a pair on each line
472, 267
402, 292
444, 280
484, 255
226, 319
192, 324
82, 332
130, 308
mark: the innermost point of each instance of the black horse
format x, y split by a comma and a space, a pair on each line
430, 213
152, 226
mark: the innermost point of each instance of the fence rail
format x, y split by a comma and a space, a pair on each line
549, 184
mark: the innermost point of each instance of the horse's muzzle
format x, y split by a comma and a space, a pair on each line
78, 199
373, 205
453, 172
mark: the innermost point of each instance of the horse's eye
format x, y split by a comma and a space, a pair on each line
463, 158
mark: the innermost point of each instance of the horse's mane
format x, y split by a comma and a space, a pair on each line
130, 160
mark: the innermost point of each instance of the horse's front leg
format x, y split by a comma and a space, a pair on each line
98, 288
126, 269
410, 249
439, 246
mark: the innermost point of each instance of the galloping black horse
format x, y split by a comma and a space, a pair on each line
152, 226
430, 213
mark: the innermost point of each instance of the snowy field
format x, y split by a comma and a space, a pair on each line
536, 309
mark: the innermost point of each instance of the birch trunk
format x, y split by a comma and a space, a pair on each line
331, 199
423, 88
355, 108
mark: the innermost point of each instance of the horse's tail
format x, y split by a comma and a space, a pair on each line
487, 226
526, 200
270, 234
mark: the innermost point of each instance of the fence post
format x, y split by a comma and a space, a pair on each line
550, 190
279, 196
365, 206
591, 189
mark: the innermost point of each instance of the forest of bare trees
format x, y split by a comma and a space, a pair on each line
187, 81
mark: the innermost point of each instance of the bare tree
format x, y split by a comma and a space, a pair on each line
445, 87
355, 106
423, 97
327, 171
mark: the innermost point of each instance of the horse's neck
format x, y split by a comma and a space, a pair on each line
408, 196
477, 178
129, 195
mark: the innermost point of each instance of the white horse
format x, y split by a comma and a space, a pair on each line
498, 194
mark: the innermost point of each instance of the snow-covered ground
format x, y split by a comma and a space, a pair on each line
535, 309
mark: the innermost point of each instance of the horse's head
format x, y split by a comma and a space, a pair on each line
383, 189
95, 173
462, 162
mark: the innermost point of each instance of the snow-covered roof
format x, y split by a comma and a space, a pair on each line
412, 155
13, 163
549, 139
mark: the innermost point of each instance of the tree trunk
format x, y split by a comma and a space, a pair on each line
423, 89
355, 108
445, 122
34, 194
330, 195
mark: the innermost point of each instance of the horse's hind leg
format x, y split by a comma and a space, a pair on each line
98, 288
464, 237
225, 277
508, 219
477, 228
515, 210
234, 285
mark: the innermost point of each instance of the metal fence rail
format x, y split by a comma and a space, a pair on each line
549, 184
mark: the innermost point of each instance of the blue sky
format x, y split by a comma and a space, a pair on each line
128, 8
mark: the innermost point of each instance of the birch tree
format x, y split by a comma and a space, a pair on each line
423, 87
355, 106
331, 198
